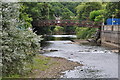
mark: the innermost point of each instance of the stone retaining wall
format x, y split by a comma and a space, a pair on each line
110, 36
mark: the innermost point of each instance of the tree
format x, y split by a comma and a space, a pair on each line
61, 10
97, 15
24, 16
18, 46
70, 6
58, 29
38, 11
84, 9
112, 8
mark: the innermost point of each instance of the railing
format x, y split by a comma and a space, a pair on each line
66, 23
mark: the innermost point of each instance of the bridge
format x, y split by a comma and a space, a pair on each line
86, 23
109, 33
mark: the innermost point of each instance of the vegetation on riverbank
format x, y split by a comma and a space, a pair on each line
85, 33
46, 67
90, 11
20, 44
97, 12
50, 67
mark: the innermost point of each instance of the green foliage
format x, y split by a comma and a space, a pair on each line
58, 8
97, 15
61, 10
24, 16
45, 11
64, 11
109, 10
99, 18
84, 33
58, 29
18, 46
40, 63
84, 9
69, 29
113, 8
96, 11
38, 10
71, 6
66, 14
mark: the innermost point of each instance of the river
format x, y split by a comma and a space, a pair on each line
99, 62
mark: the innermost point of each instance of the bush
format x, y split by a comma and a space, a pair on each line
58, 29
84, 33
97, 15
18, 46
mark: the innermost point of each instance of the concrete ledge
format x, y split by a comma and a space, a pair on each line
111, 45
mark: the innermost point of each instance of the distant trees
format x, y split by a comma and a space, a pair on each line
71, 6
84, 9
61, 10
44, 11
37, 11
112, 8
58, 30
84, 33
88, 11
96, 11
109, 10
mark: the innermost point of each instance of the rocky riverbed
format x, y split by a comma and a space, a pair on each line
55, 65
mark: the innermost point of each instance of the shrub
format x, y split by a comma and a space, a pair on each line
84, 33
18, 46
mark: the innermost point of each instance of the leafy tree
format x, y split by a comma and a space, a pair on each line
84, 33
97, 15
84, 9
58, 29
71, 6
112, 8
18, 46
24, 16
69, 29
61, 10
38, 11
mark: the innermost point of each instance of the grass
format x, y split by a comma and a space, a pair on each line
41, 63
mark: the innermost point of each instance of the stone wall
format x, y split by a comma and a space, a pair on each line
110, 36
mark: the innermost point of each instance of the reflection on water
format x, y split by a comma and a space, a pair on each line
60, 37
98, 62
71, 36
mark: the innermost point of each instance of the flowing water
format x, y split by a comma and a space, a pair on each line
98, 62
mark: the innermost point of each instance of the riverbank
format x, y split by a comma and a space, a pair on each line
51, 67
79, 41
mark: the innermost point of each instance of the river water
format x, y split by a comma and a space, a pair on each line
98, 62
